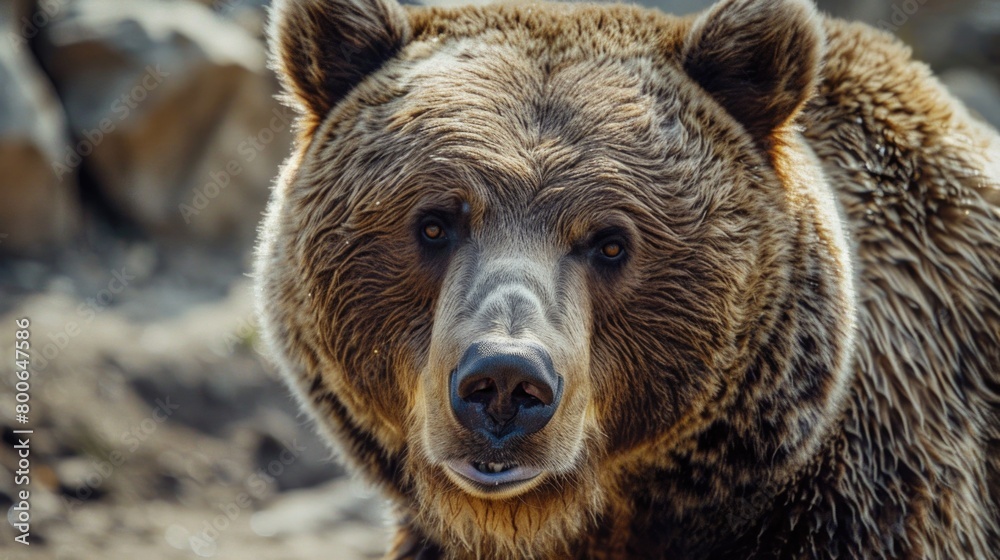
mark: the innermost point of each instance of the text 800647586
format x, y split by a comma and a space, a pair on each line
20, 515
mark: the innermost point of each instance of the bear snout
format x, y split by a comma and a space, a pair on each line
505, 389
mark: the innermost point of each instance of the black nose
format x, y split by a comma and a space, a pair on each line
505, 388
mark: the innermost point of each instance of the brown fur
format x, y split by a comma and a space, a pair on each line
798, 357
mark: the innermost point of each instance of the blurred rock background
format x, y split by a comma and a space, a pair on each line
138, 141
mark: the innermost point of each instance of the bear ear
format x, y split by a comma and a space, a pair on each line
321, 49
760, 59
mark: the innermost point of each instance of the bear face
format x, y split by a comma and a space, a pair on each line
523, 255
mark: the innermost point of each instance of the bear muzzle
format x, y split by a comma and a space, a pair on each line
503, 391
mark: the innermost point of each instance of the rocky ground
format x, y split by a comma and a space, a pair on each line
137, 143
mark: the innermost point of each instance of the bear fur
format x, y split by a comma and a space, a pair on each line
760, 245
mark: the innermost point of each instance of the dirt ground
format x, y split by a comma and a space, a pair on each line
160, 431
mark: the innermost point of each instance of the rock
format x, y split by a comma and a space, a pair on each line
249, 14
863, 10
978, 91
40, 210
962, 33
319, 509
174, 115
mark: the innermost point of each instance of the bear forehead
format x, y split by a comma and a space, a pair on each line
592, 29
510, 91
556, 121
517, 107
593, 76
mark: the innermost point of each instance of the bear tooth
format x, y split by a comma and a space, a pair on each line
497, 467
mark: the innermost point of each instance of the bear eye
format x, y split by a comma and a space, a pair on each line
433, 231
612, 250
609, 249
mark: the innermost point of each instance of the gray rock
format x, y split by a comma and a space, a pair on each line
249, 14
320, 508
978, 91
174, 114
39, 210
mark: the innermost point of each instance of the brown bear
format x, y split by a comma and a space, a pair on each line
592, 281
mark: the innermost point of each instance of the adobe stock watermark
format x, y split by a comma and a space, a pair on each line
87, 312
122, 107
248, 149
242, 338
246, 334
901, 13
132, 438
31, 26
203, 543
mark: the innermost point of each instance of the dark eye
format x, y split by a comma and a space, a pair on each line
609, 249
612, 250
433, 232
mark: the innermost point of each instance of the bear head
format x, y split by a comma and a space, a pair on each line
526, 259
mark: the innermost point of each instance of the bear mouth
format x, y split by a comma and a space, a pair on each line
488, 476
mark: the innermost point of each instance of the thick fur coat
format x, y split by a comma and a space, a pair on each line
761, 247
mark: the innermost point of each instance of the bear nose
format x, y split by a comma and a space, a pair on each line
505, 388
